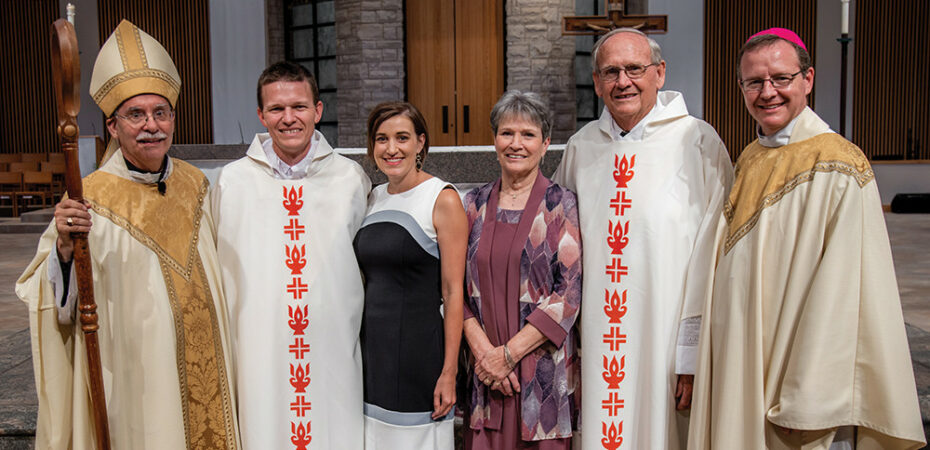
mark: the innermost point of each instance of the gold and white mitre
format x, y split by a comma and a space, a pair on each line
130, 63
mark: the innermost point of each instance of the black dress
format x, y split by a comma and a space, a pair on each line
402, 336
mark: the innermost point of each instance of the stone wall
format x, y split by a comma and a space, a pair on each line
370, 60
540, 59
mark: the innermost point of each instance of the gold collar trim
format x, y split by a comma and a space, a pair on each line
765, 175
167, 224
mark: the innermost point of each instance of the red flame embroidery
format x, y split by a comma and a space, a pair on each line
613, 435
300, 377
292, 200
300, 436
295, 258
617, 237
615, 307
298, 321
624, 170
613, 372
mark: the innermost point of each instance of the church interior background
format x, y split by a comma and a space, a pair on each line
453, 58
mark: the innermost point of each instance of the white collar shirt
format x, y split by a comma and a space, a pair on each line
636, 134
282, 170
778, 138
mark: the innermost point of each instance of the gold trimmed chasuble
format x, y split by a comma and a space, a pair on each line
804, 329
163, 339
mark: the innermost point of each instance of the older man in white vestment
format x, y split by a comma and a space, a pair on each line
163, 335
651, 181
285, 216
803, 342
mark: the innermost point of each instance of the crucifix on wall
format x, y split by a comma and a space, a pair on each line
616, 17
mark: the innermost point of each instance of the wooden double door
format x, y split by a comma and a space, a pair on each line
455, 66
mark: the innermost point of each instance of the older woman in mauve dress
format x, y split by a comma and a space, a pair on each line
523, 282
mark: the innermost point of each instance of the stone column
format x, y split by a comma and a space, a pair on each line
541, 60
274, 31
370, 62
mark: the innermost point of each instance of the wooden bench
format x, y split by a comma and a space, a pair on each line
37, 191
10, 184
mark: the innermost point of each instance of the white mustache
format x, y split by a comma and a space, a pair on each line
145, 135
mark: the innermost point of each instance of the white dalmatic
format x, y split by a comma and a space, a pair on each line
648, 209
295, 298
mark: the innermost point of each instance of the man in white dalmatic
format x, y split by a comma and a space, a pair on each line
286, 214
651, 181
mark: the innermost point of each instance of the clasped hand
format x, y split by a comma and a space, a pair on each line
492, 369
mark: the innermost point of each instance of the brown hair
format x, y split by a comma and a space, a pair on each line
387, 110
286, 71
765, 40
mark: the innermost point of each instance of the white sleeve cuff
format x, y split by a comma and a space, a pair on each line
67, 305
686, 351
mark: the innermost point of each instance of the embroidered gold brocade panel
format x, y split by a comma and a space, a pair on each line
765, 175
169, 226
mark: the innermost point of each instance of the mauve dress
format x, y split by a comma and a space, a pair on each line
508, 436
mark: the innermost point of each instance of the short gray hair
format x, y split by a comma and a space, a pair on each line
655, 52
528, 105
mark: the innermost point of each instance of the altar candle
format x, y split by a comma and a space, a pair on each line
844, 17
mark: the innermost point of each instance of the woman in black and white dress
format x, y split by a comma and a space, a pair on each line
411, 249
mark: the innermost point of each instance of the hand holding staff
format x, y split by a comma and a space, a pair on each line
66, 74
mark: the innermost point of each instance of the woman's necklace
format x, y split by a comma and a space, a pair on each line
517, 193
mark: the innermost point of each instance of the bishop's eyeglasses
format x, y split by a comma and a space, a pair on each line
778, 81
138, 117
633, 71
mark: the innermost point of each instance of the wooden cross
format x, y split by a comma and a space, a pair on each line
615, 18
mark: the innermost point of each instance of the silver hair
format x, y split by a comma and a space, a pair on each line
655, 52
528, 105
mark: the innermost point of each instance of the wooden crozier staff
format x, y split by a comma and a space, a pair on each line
66, 76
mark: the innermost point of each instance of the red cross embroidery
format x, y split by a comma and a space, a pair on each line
614, 339
620, 203
300, 406
613, 404
294, 229
298, 348
616, 270
297, 288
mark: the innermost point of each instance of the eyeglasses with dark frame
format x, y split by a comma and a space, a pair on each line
633, 71
778, 81
138, 117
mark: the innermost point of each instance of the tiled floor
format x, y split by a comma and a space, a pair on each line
910, 244
16, 250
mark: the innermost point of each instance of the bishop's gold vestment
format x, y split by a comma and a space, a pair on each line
163, 339
804, 329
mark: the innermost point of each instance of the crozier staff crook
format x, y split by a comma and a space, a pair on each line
66, 76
